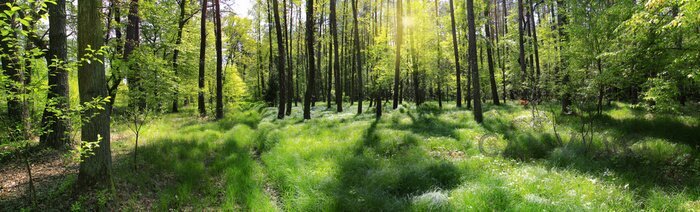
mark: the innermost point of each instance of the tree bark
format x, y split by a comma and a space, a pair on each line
336, 61
358, 62
489, 56
132, 41
311, 74
473, 64
281, 62
219, 63
95, 170
397, 63
176, 52
521, 44
202, 54
58, 127
455, 46
562, 20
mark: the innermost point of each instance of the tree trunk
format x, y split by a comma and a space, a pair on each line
202, 55
311, 74
489, 52
358, 66
439, 53
95, 170
58, 135
537, 52
336, 61
219, 63
281, 63
566, 97
397, 63
176, 52
137, 94
521, 44
455, 45
472, 63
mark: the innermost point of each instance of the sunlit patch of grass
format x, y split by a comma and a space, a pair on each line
419, 159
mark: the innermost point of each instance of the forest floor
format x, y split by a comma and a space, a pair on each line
412, 159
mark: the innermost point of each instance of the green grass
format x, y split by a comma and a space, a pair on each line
413, 159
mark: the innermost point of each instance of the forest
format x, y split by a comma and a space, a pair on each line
350, 105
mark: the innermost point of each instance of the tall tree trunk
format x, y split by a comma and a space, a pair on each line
397, 63
439, 54
414, 61
537, 51
176, 52
281, 63
455, 46
202, 55
336, 62
17, 110
137, 94
489, 52
311, 74
562, 20
95, 169
472, 62
521, 44
358, 66
288, 43
58, 135
219, 63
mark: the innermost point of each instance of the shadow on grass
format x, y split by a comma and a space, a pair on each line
384, 174
198, 167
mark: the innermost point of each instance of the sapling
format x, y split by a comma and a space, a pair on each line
135, 119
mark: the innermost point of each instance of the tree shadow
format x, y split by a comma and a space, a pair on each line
384, 174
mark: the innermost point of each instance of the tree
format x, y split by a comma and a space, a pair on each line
458, 72
95, 169
521, 44
397, 63
176, 52
132, 41
58, 95
336, 59
489, 55
219, 63
311, 74
202, 51
561, 66
358, 62
472, 62
281, 62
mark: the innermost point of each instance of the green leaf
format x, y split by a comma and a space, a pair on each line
24, 22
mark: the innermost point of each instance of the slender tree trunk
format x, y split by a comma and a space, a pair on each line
219, 63
282, 61
311, 74
176, 52
202, 55
397, 63
358, 66
489, 52
95, 170
455, 45
288, 43
472, 62
58, 135
133, 31
336, 64
566, 97
521, 44
439, 54
17, 109
537, 51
